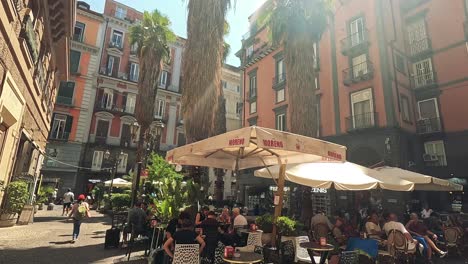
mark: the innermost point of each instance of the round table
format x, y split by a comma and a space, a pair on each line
316, 247
245, 258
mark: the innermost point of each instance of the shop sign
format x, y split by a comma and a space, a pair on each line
319, 190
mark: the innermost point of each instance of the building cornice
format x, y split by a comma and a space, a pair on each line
90, 14
84, 47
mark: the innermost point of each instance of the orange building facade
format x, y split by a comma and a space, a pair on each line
391, 82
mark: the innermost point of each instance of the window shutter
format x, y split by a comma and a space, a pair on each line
68, 126
124, 101
114, 99
100, 94
52, 129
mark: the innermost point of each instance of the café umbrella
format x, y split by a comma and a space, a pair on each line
345, 176
118, 182
253, 147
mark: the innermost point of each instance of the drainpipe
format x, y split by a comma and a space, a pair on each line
392, 43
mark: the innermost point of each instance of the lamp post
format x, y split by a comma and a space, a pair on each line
114, 161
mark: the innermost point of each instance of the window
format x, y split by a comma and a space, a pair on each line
280, 95
362, 109
65, 93
97, 160
134, 72
160, 107
78, 34
356, 31
130, 104
423, 74
280, 73
317, 86
117, 39
400, 63
224, 84
253, 107
359, 65
113, 65
281, 122
253, 121
163, 79
238, 108
316, 57
61, 127
249, 51
120, 12
75, 61
405, 109
238, 88
3, 134
429, 120
417, 37
435, 153
317, 116
253, 86
122, 168
106, 97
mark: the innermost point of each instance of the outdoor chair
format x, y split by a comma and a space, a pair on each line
136, 240
349, 257
186, 254
320, 230
398, 246
253, 240
453, 239
302, 256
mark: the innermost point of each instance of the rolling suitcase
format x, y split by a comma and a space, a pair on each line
112, 238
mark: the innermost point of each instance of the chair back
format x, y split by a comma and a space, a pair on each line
396, 242
321, 230
301, 253
451, 236
349, 257
186, 254
254, 239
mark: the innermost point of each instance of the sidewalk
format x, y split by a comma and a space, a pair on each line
47, 241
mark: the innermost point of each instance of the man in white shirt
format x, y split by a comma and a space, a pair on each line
426, 212
392, 223
239, 220
68, 199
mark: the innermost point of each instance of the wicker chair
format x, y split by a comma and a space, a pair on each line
253, 240
186, 254
349, 257
398, 246
453, 239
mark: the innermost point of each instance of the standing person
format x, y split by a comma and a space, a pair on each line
54, 195
68, 199
185, 235
426, 212
201, 216
79, 212
136, 221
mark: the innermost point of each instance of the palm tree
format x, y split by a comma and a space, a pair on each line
297, 25
202, 67
151, 38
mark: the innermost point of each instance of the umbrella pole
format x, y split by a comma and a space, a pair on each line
279, 205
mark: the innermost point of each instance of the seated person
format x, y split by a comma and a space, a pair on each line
421, 233
320, 218
338, 232
201, 216
393, 224
175, 224
239, 220
136, 220
186, 235
373, 229
225, 216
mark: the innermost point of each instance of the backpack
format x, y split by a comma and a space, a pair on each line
81, 211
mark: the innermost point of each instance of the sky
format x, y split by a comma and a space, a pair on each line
176, 10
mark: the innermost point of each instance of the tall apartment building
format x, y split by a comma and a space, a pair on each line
34, 46
75, 101
391, 78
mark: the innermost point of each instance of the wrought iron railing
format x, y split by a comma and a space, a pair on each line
354, 40
359, 72
428, 125
361, 121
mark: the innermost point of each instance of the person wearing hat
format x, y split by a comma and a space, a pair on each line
79, 212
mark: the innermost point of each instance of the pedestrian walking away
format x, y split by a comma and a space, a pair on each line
68, 199
79, 212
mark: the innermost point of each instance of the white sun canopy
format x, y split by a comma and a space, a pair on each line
341, 176
118, 182
252, 147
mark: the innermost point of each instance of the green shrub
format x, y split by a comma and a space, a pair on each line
286, 226
120, 201
265, 223
16, 197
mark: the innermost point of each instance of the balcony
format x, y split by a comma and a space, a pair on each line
428, 125
118, 46
75, 70
59, 135
418, 47
78, 38
100, 140
362, 121
116, 109
30, 36
279, 81
64, 100
258, 53
360, 72
424, 80
355, 44
125, 142
252, 95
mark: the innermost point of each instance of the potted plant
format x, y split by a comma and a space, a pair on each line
286, 228
120, 202
15, 199
265, 223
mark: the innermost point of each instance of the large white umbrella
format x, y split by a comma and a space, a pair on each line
118, 182
345, 176
252, 147
422, 182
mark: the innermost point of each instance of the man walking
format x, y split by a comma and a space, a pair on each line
68, 199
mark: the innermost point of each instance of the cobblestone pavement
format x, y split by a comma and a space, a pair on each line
47, 240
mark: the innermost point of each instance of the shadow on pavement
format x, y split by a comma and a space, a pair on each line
61, 242
103, 219
67, 254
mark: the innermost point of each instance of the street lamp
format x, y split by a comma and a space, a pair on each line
114, 161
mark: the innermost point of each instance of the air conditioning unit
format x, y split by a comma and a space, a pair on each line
430, 158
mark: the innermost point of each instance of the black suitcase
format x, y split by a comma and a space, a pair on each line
112, 238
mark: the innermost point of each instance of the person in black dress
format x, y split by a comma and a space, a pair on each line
201, 216
186, 235
211, 230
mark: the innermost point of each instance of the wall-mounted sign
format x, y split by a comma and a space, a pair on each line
319, 190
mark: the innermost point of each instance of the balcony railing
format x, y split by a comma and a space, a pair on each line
419, 46
257, 52
101, 106
59, 135
79, 38
29, 34
359, 72
355, 42
101, 140
362, 121
279, 80
125, 142
424, 79
428, 125
64, 100
116, 45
